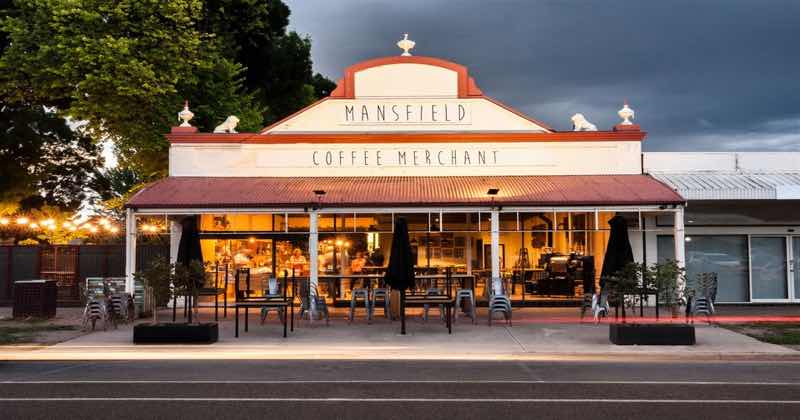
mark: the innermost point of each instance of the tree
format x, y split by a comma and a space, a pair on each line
42, 160
125, 66
278, 62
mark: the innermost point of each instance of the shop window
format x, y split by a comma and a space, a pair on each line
582, 221
508, 222
417, 222
374, 222
340, 222
631, 218
460, 222
485, 222
725, 255
298, 222
242, 222
541, 222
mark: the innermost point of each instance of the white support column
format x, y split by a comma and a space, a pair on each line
497, 282
313, 254
679, 234
469, 246
175, 232
130, 249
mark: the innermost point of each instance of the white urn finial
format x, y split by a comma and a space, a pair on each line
185, 115
627, 114
406, 44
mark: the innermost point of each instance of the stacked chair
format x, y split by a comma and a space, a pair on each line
499, 303
702, 295
307, 295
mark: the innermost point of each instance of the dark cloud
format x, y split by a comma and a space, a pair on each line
702, 75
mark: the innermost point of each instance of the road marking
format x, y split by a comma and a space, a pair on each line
400, 381
390, 400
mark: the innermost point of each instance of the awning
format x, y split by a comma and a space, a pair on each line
262, 192
734, 185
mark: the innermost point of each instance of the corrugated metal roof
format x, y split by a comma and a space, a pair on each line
238, 192
732, 185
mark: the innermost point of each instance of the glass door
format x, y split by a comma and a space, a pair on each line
769, 267
794, 266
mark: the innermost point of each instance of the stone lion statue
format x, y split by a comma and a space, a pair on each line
580, 123
229, 126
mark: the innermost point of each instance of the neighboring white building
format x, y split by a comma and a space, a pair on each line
742, 220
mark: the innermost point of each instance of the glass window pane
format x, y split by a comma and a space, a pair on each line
769, 267
536, 221
485, 222
581, 221
417, 222
796, 268
460, 222
508, 221
725, 255
339, 222
374, 222
298, 222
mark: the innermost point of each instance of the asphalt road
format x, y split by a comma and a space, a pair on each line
401, 390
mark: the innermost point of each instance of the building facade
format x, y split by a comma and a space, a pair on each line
486, 190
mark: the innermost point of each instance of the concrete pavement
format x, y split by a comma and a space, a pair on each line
531, 337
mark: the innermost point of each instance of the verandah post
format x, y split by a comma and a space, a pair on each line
679, 234
130, 249
313, 254
497, 283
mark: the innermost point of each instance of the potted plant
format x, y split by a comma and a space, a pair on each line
665, 278
164, 281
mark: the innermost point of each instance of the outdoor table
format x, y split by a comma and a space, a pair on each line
461, 278
281, 301
266, 302
416, 300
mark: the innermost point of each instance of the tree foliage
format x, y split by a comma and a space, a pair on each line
42, 160
125, 66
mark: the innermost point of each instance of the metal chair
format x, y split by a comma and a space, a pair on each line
95, 310
703, 294
307, 295
469, 296
600, 306
381, 293
433, 291
362, 293
274, 286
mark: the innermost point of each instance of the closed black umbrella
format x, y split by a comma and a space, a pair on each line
618, 251
189, 250
400, 272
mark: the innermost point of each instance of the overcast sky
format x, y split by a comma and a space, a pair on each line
701, 74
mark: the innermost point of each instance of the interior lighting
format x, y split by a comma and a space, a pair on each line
688, 239
4, 221
114, 229
49, 222
22, 221
73, 228
66, 224
51, 227
34, 225
92, 229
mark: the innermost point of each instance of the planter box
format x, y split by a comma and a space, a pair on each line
173, 333
652, 334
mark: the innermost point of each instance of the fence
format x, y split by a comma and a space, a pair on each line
69, 264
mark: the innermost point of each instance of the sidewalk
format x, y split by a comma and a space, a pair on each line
537, 333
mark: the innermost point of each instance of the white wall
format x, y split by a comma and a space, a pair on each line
676, 162
531, 158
